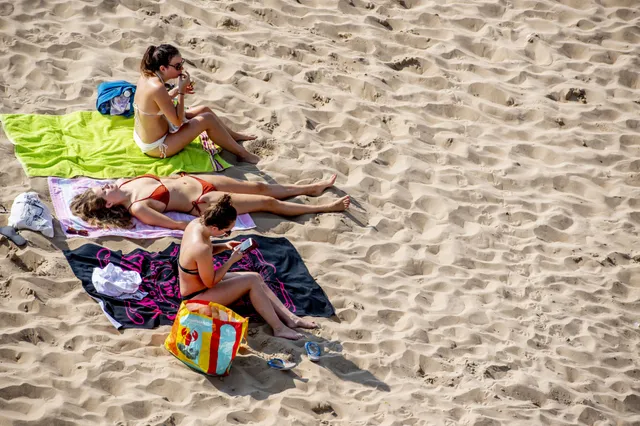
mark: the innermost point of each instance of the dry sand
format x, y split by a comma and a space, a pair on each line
488, 272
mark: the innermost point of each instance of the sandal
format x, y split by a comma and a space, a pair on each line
313, 351
12, 234
279, 364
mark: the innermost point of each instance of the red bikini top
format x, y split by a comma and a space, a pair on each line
161, 193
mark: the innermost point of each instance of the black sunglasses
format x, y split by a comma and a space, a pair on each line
226, 234
177, 66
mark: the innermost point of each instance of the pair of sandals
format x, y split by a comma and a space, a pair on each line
313, 352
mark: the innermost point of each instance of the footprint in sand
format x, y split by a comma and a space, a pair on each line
6, 9
538, 51
261, 147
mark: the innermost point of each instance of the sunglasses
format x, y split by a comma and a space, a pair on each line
177, 66
72, 230
226, 234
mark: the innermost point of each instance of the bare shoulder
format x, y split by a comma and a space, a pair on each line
150, 85
137, 207
194, 241
155, 86
195, 250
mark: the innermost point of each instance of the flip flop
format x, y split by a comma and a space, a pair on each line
278, 364
313, 350
10, 233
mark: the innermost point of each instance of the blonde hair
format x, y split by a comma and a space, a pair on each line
93, 209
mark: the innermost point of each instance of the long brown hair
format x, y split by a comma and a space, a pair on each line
93, 209
157, 56
221, 215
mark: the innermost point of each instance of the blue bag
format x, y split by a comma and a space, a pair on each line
109, 90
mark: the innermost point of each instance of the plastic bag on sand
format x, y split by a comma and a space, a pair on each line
208, 338
28, 212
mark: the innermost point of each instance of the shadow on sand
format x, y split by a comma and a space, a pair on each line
250, 374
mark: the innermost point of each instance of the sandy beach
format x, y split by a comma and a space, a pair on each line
487, 272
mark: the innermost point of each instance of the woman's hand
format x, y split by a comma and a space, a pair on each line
236, 255
184, 81
191, 88
230, 245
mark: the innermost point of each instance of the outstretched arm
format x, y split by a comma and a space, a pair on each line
152, 217
220, 247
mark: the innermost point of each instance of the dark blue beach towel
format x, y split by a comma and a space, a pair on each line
276, 260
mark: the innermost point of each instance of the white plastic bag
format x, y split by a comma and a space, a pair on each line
28, 212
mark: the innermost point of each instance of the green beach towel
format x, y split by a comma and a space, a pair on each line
87, 143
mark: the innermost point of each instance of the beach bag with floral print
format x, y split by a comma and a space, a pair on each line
207, 336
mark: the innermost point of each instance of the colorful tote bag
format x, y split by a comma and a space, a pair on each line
207, 336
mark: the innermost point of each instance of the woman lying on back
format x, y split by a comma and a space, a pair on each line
148, 197
200, 280
163, 129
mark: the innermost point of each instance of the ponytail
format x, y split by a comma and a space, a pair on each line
146, 63
155, 57
221, 215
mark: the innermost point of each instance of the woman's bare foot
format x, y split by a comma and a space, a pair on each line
339, 206
239, 137
249, 158
318, 188
286, 333
297, 322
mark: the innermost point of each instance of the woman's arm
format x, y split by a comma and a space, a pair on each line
152, 217
174, 114
208, 274
219, 248
173, 92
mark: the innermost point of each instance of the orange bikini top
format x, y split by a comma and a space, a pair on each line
161, 193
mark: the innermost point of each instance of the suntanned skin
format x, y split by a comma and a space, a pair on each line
152, 97
246, 197
226, 287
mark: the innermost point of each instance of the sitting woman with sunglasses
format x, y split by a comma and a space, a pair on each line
163, 129
200, 280
147, 197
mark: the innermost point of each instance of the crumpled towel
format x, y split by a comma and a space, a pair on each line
115, 282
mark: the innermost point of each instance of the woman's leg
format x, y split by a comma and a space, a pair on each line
289, 318
212, 125
234, 285
233, 186
238, 137
247, 203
